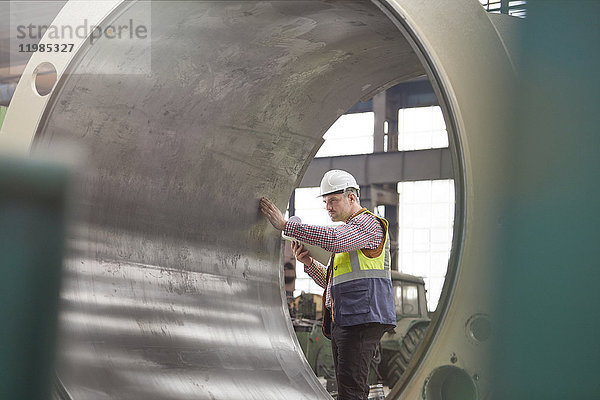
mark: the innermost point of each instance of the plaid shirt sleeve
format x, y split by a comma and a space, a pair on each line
318, 272
360, 232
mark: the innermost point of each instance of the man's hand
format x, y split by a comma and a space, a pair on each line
301, 255
272, 213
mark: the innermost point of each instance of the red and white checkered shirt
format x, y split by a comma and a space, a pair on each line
361, 231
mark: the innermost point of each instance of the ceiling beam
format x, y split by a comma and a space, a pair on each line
381, 168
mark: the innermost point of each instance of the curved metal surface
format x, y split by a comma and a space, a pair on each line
173, 285
472, 74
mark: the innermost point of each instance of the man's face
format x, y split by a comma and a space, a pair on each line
338, 206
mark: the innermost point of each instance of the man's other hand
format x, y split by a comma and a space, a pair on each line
301, 254
272, 213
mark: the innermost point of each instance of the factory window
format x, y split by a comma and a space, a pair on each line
516, 8
350, 134
421, 128
426, 216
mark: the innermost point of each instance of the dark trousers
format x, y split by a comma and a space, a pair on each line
353, 349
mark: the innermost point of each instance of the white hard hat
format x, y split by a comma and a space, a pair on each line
336, 180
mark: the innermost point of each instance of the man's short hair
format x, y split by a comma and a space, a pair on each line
346, 192
349, 190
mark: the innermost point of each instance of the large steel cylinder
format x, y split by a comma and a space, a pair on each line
173, 283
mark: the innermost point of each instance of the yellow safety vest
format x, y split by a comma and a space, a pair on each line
361, 289
356, 265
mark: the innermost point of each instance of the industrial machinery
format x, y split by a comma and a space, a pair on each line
172, 285
399, 346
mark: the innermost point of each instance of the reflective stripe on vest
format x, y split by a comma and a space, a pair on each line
347, 266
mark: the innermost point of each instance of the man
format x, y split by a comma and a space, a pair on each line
358, 298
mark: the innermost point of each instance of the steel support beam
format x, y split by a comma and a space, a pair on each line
379, 107
415, 93
383, 168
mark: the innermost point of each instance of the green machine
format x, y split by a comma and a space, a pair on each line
397, 346
400, 345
